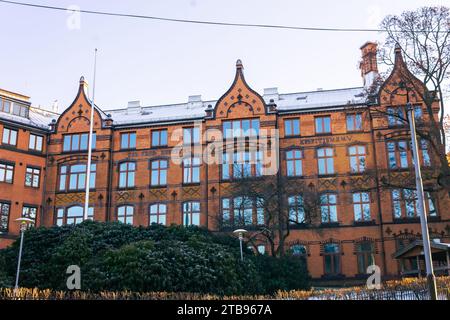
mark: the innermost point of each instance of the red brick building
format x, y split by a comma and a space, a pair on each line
330, 140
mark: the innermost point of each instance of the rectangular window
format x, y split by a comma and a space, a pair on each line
296, 209
128, 140
29, 212
243, 211
35, 142
4, 216
226, 212
241, 128
191, 170
5, 105
73, 177
127, 171
32, 177
398, 154
332, 258
78, 142
396, 116
361, 206
328, 208
357, 159
191, 135
20, 110
354, 122
159, 138
292, 127
6, 172
325, 161
191, 213
323, 125
158, 173
365, 256
294, 163
426, 160
9, 137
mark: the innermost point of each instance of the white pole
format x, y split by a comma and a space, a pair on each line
22, 231
421, 206
91, 129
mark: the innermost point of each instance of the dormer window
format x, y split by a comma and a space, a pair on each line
20, 110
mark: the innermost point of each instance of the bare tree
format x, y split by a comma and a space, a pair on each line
281, 205
423, 36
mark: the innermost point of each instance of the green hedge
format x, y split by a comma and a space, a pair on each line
115, 256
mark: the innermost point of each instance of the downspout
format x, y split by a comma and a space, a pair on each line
110, 175
377, 176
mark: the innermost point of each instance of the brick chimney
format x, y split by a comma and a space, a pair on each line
369, 65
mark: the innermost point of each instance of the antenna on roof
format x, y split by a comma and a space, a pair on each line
91, 129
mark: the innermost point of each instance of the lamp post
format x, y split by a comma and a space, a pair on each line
23, 226
421, 204
240, 233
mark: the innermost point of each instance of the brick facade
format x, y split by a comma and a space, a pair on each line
381, 229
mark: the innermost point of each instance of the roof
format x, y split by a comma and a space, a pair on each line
189, 111
300, 101
435, 247
38, 118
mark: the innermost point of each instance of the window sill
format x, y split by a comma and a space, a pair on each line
126, 188
127, 149
364, 223
356, 131
164, 186
72, 191
330, 225
159, 147
191, 184
320, 134
76, 151
337, 276
329, 175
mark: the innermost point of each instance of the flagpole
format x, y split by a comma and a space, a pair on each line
91, 129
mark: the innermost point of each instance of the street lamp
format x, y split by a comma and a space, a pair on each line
421, 206
240, 233
23, 226
420, 197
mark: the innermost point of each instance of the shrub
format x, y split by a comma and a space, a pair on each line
116, 256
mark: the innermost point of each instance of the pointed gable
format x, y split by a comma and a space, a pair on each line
240, 100
392, 91
76, 117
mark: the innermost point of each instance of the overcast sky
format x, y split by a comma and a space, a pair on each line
165, 62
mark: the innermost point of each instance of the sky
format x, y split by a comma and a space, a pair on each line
45, 52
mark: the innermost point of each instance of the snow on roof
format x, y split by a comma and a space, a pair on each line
285, 103
38, 118
189, 111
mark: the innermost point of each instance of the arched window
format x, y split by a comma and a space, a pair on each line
72, 215
158, 213
365, 256
127, 172
298, 250
294, 163
158, 173
125, 214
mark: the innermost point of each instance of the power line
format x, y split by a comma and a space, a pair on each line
230, 24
